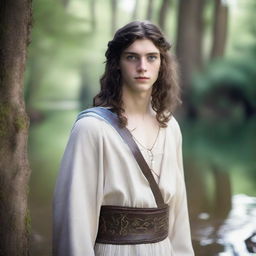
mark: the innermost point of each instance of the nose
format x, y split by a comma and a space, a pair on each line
142, 65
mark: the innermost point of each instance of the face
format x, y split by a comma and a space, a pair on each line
139, 65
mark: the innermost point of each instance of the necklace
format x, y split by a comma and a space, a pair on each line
132, 129
150, 153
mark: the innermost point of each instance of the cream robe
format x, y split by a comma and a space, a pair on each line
98, 169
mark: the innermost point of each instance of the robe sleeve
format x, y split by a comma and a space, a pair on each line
180, 236
79, 191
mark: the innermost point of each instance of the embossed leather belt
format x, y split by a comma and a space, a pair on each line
128, 225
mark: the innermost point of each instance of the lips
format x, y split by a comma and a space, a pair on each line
143, 78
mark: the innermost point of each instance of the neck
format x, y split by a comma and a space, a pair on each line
136, 103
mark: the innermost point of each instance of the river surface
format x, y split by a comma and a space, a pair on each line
226, 237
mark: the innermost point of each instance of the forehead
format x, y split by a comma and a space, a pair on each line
142, 46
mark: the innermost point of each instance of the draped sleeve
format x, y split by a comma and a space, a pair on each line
180, 236
79, 191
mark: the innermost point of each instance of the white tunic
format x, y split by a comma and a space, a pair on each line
98, 169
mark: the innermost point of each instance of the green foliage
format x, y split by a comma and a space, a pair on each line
55, 28
58, 38
211, 141
231, 73
223, 134
46, 144
242, 27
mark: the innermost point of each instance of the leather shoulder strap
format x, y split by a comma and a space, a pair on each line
112, 119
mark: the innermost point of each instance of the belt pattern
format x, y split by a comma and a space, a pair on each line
132, 225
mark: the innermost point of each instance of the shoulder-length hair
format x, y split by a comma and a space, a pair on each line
165, 91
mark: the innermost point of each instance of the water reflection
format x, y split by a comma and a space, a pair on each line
226, 237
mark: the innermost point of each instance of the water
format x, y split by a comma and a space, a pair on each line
226, 237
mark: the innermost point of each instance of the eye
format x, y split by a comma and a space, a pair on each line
131, 57
152, 58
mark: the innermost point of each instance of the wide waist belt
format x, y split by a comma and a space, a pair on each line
128, 225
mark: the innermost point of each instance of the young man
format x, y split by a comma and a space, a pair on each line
99, 173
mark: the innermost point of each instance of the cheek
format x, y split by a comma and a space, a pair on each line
124, 68
126, 72
157, 68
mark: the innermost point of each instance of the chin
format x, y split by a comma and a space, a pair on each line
139, 87
143, 88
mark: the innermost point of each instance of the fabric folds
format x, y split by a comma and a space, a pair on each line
98, 169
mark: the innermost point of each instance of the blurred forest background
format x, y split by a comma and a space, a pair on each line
215, 43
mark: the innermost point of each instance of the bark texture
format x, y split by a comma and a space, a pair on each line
189, 38
15, 24
220, 28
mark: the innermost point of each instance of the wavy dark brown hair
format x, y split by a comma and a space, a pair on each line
165, 91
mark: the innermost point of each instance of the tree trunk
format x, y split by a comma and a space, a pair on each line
85, 94
34, 76
15, 20
189, 38
219, 29
189, 46
113, 16
196, 188
149, 10
135, 10
65, 3
163, 14
223, 193
93, 14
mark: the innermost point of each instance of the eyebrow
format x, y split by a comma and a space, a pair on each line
149, 53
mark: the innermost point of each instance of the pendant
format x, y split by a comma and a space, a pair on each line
151, 158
